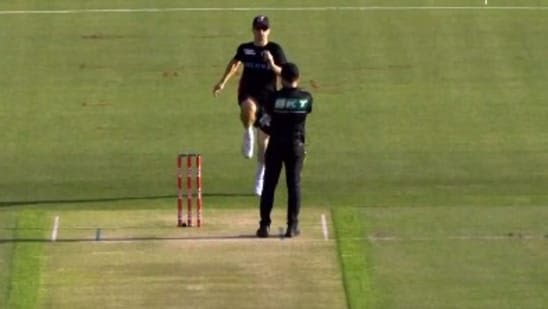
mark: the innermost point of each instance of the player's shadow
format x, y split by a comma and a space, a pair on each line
204, 238
112, 199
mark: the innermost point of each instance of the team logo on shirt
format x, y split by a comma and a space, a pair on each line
290, 105
249, 52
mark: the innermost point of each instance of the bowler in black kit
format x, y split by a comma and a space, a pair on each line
284, 121
262, 60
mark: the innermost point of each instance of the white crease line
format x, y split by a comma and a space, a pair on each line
324, 228
201, 241
245, 9
55, 229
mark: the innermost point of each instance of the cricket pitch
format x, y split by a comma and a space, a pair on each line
145, 261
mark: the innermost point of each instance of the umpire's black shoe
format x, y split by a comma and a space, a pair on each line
292, 231
262, 232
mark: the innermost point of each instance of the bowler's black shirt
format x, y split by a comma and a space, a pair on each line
257, 74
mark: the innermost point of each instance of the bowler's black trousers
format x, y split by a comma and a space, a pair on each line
290, 154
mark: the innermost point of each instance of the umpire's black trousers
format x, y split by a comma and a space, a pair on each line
289, 153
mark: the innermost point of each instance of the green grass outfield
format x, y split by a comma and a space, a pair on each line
428, 152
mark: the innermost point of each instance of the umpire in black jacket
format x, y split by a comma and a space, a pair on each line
285, 121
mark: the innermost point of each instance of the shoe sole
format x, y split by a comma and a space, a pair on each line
262, 235
292, 235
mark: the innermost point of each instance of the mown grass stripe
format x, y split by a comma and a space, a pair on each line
26, 262
7, 219
352, 250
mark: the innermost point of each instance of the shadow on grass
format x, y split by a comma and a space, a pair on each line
112, 199
130, 239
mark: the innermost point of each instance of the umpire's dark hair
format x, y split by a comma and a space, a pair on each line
290, 72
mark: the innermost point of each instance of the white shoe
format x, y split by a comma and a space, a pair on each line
247, 143
259, 180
